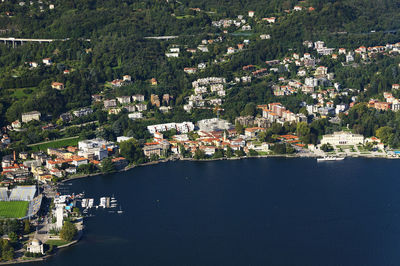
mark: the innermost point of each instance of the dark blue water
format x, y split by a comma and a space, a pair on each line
248, 212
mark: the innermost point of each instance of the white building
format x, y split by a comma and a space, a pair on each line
135, 115
265, 36
82, 112
349, 58
110, 103
27, 117
93, 149
60, 215
124, 99
123, 138
311, 82
138, 97
343, 138
183, 127
214, 124
172, 54
35, 246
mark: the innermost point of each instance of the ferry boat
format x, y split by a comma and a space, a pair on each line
330, 158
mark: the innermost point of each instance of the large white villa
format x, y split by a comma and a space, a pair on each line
343, 138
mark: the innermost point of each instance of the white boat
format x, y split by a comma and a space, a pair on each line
330, 158
103, 202
120, 210
84, 203
90, 204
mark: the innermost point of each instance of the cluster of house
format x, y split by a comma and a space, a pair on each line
391, 102
207, 92
126, 79
57, 162
317, 82
46, 61
25, 118
362, 51
212, 134
133, 104
277, 113
173, 52
166, 98
68, 116
239, 22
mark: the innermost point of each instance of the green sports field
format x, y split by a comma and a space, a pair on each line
13, 209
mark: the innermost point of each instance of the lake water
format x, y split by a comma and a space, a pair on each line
250, 212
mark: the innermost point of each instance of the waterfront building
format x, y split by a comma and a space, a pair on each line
35, 246
343, 138
149, 150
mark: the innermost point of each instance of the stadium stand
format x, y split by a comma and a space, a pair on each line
23, 193
34, 206
4, 194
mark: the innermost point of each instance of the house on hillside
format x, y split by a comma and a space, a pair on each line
57, 85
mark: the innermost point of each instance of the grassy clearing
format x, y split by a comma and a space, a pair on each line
13, 209
22, 92
185, 16
73, 141
56, 242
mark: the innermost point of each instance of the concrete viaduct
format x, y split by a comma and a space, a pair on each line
15, 41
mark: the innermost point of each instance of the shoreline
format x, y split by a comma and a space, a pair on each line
173, 159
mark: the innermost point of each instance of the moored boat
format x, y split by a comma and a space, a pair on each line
330, 158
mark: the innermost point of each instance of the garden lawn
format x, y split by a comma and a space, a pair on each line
56, 242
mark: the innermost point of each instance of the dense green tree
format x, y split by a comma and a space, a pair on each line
27, 227
132, 151
385, 134
107, 166
199, 155
68, 231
